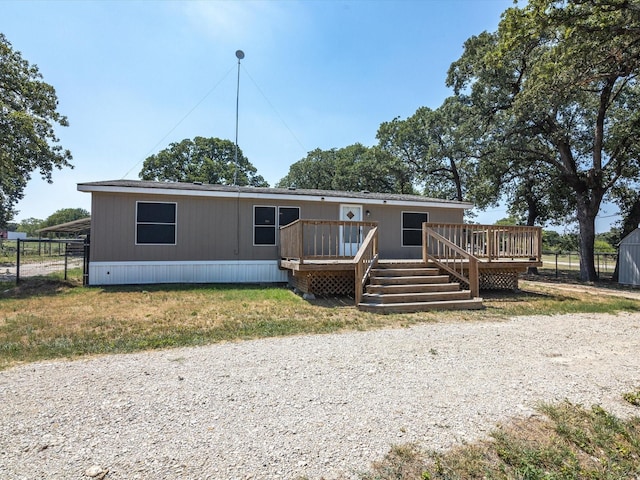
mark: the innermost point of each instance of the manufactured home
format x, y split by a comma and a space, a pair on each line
161, 232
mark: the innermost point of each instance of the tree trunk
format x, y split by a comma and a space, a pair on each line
456, 179
587, 223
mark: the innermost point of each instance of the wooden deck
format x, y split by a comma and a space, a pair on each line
347, 264
330, 257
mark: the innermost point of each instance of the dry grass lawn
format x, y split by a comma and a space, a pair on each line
47, 318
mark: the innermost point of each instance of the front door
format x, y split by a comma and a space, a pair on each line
350, 235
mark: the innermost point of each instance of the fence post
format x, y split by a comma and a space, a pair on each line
85, 260
18, 262
66, 257
557, 264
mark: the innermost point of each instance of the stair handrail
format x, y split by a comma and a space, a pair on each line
365, 260
444, 259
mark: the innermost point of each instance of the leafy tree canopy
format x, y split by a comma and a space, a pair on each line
510, 220
28, 114
557, 86
437, 148
354, 168
64, 215
30, 226
206, 160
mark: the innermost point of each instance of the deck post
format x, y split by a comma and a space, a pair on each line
474, 280
539, 252
301, 243
490, 242
425, 239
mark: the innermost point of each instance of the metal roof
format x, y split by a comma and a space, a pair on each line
632, 239
81, 226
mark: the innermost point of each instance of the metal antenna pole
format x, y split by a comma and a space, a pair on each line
239, 56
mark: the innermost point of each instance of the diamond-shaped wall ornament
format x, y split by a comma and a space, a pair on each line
350, 214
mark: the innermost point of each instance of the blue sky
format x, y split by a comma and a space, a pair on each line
134, 76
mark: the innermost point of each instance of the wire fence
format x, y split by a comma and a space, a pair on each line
565, 263
23, 258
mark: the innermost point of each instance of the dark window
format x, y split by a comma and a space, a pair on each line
412, 228
411, 238
288, 215
265, 216
156, 223
156, 212
265, 236
150, 233
265, 225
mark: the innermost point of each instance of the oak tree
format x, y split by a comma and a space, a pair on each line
352, 168
562, 74
436, 146
28, 116
206, 160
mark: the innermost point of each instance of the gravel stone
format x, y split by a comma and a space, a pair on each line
93, 471
314, 406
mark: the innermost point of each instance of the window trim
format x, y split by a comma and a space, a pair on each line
175, 223
402, 228
276, 225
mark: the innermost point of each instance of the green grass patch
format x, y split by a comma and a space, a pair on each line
570, 443
633, 397
555, 303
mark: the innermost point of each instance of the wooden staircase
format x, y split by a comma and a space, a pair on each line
413, 287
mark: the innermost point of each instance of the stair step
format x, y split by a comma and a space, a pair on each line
406, 280
396, 298
402, 271
421, 288
408, 264
470, 304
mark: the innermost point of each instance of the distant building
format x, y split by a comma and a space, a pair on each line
629, 265
5, 235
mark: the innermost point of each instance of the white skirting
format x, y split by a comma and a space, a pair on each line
246, 271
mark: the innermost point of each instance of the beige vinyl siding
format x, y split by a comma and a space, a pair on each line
222, 228
389, 218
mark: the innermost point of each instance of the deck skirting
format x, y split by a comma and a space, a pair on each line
504, 279
323, 282
497, 277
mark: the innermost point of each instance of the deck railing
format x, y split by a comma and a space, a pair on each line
365, 260
493, 242
451, 258
323, 239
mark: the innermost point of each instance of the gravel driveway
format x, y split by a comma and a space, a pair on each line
311, 406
